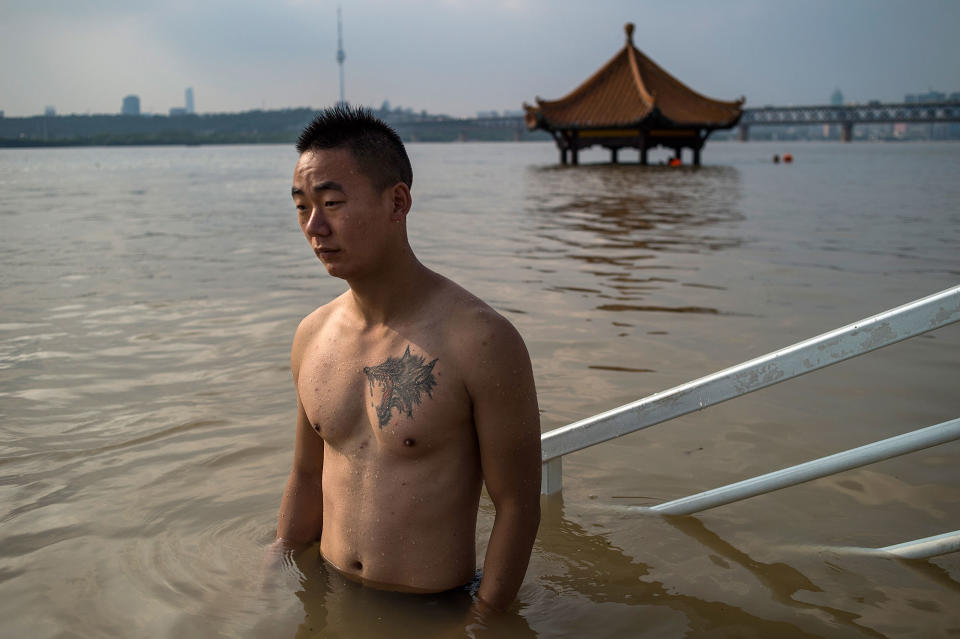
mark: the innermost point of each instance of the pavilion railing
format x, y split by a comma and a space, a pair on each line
917, 317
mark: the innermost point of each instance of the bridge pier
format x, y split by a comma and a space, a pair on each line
744, 133
846, 132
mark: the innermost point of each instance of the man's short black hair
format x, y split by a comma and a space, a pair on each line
375, 145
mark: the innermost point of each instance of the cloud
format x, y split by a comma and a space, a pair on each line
456, 56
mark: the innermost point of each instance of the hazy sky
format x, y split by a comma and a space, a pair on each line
460, 56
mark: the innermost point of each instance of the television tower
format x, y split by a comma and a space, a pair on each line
341, 56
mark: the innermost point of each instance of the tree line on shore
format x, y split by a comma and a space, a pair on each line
249, 127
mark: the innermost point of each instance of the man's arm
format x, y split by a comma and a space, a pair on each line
301, 509
507, 420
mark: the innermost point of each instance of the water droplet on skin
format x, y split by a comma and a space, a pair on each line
409, 442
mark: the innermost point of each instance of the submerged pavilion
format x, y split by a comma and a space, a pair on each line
631, 102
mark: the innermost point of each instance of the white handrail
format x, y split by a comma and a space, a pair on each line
854, 458
883, 329
916, 549
926, 547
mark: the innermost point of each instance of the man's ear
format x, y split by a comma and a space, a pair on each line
402, 201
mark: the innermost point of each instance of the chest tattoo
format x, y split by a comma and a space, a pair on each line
404, 380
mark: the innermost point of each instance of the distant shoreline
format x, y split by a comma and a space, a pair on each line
251, 127
241, 141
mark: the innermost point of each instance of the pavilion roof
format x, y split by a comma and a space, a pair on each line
628, 91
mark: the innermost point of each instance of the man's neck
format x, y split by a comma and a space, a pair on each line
393, 292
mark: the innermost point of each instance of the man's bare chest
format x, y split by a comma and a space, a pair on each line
398, 393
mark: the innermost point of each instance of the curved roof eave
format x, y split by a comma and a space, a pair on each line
631, 100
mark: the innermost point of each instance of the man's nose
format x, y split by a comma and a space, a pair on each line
317, 224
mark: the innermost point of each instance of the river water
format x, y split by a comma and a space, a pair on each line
149, 296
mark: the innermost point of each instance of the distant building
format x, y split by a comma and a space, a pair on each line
488, 114
188, 99
177, 111
1, 114
836, 99
49, 111
131, 105
925, 98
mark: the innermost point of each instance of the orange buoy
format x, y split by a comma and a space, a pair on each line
787, 158
675, 162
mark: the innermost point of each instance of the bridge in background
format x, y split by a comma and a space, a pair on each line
416, 128
428, 128
847, 116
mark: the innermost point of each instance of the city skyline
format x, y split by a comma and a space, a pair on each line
457, 58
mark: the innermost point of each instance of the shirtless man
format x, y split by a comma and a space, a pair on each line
411, 392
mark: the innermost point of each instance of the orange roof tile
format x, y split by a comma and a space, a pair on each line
628, 90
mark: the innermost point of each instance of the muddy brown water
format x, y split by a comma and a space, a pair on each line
146, 412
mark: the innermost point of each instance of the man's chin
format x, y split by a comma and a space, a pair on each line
335, 270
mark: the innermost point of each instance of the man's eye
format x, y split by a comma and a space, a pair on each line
333, 203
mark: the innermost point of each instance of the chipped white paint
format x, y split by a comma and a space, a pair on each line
830, 465
861, 337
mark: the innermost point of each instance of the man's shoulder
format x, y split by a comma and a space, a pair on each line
494, 366
477, 330
311, 325
313, 322
467, 312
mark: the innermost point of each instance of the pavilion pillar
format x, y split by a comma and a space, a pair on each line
563, 145
613, 155
696, 156
575, 148
643, 154
678, 152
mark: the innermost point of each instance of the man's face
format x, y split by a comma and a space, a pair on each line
343, 216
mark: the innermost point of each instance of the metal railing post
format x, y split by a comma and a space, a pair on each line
551, 476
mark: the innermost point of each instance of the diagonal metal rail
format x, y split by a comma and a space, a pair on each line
883, 329
854, 458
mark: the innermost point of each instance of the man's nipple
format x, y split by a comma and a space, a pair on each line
409, 441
